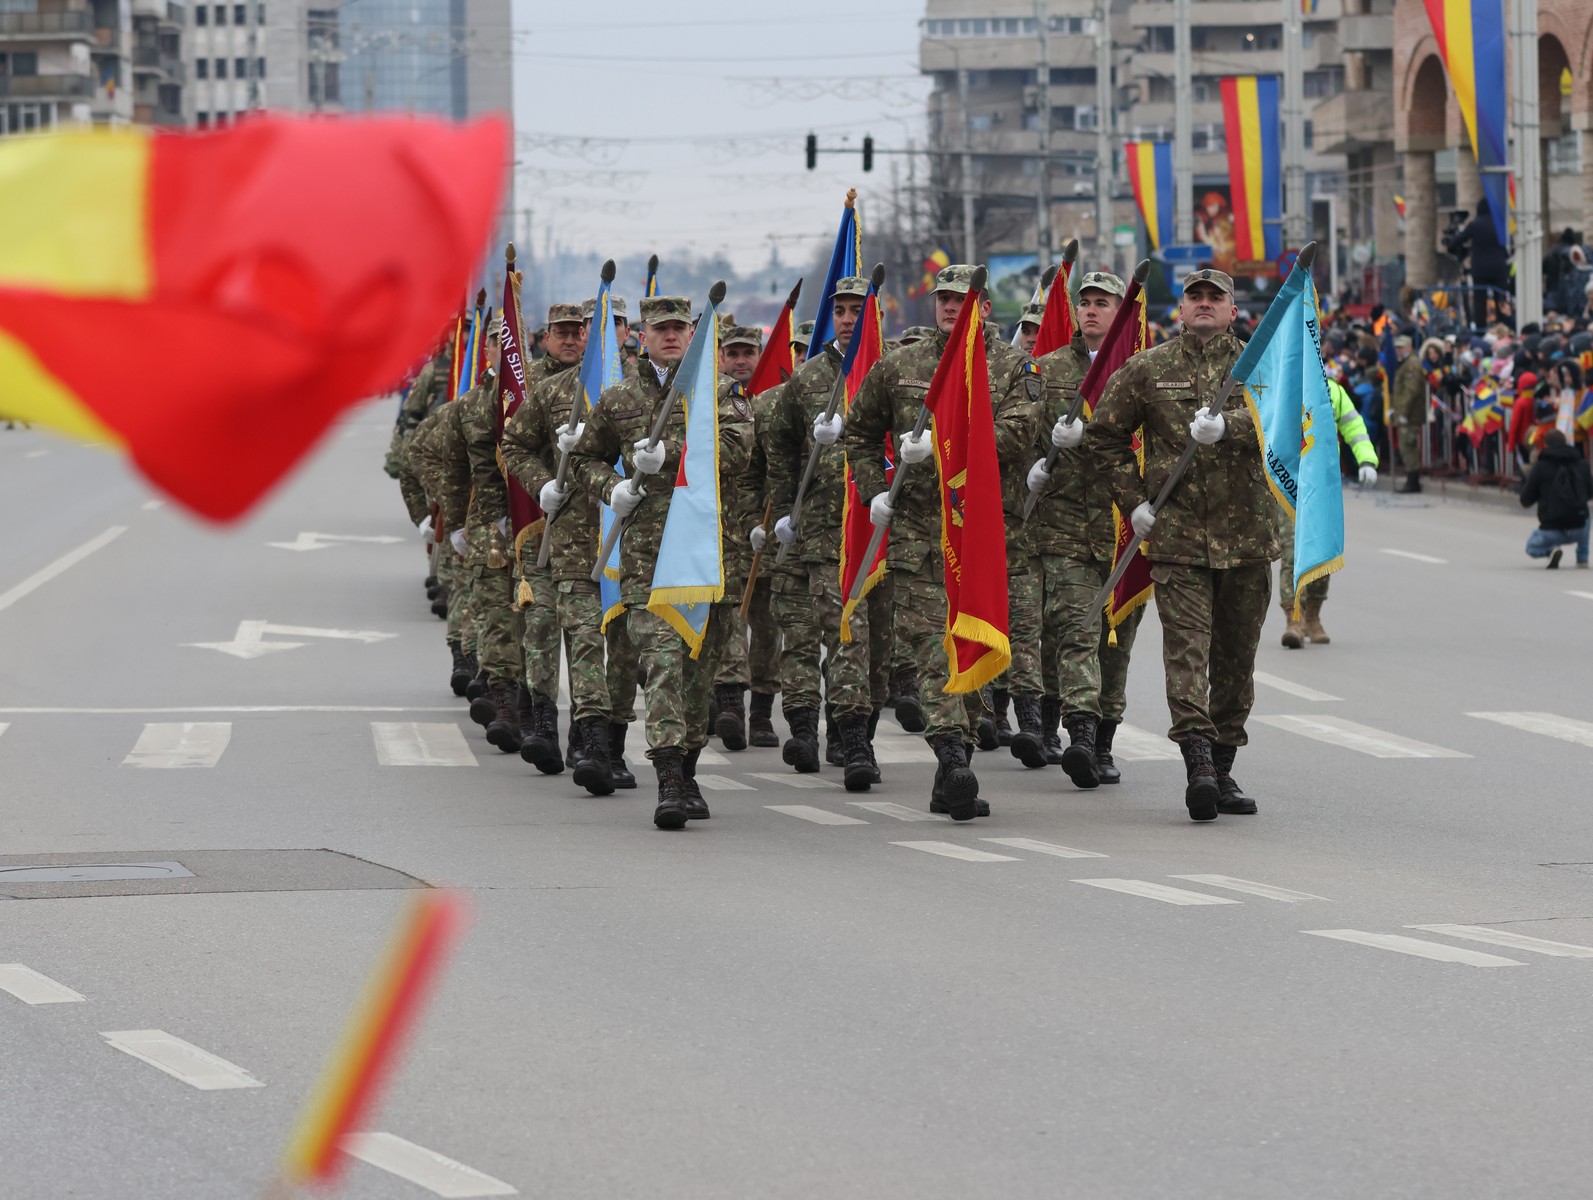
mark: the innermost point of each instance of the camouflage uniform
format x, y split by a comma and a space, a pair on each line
425, 396
437, 457
1408, 404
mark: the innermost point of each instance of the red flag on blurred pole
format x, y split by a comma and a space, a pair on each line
777, 361
1056, 326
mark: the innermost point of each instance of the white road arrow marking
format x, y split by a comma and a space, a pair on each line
249, 641
324, 541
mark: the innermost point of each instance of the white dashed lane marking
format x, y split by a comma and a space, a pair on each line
795, 781
1413, 556
818, 816
1156, 891
1566, 729
437, 1173
1265, 890
900, 812
182, 1060
1363, 739
420, 744
1298, 690
1043, 847
952, 850
30, 987
723, 783
1416, 947
180, 744
1132, 744
1511, 941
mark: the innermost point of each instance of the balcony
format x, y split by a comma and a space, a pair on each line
1352, 121
46, 87
46, 26
153, 60
1365, 33
107, 41
1224, 14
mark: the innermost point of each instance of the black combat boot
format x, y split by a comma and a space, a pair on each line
1028, 744
1104, 766
592, 772
671, 810
854, 745
476, 689
479, 693
956, 789
985, 731
909, 709
574, 747
760, 722
696, 806
618, 770
1000, 698
1412, 484
833, 753
460, 679
439, 606
731, 723
431, 582
801, 749
1078, 760
873, 725
434, 590
503, 731
1202, 793
540, 745
1050, 718
1231, 800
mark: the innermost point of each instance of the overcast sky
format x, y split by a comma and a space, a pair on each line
698, 121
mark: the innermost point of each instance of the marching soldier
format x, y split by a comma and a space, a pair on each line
1408, 402
1029, 325
915, 333
1211, 546
801, 339
425, 395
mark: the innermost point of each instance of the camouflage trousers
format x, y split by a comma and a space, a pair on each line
623, 669
1024, 611
580, 616
1211, 623
539, 633
460, 582
1410, 446
799, 659
1079, 664
497, 624
857, 672
921, 627
677, 685
763, 651
1316, 590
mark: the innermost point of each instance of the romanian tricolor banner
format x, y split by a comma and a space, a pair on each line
690, 572
1583, 417
868, 344
1471, 41
1150, 169
973, 535
210, 303
1485, 415
525, 514
777, 360
844, 260
601, 368
1255, 166
1057, 325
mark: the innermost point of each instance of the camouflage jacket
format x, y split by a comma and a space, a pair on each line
889, 402
1408, 392
760, 490
1221, 514
531, 455
1073, 516
793, 407
425, 395
740, 484
436, 454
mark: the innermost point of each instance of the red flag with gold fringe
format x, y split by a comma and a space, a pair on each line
868, 344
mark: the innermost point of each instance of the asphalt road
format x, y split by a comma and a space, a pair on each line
804, 996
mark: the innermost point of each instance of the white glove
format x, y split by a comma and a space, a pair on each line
827, 433
457, 537
915, 449
568, 437
1039, 477
1368, 475
1142, 519
880, 511
649, 462
624, 498
759, 537
503, 526
784, 531
1065, 434
552, 497
427, 532
1207, 428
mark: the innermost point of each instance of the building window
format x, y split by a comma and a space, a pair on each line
259, 13
1031, 120
1084, 117
1200, 90
221, 19
221, 70
240, 68
201, 66
259, 68
202, 120
201, 15
979, 122
24, 62
1309, 136
240, 14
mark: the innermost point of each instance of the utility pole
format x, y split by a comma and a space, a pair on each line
1183, 105
969, 249
1529, 166
1042, 198
1294, 198
1105, 117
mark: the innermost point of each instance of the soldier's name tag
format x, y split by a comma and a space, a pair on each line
1174, 385
621, 414
916, 383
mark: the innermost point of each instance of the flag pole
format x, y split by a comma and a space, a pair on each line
757, 562
836, 392
577, 412
975, 286
1229, 385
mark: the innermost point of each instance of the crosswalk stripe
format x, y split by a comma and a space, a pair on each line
796, 781
723, 783
182, 1060
1133, 744
437, 1173
4, 725
1157, 891
1044, 847
902, 751
953, 850
1411, 554
1582, 595
30, 987
1512, 941
1579, 733
1349, 735
1400, 944
818, 816
1299, 690
180, 744
709, 757
1265, 890
420, 744
900, 811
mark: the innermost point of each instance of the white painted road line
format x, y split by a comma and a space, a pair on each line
1583, 595
900, 811
439, 1175
1298, 690
67, 561
35, 454
1436, 951
420, 744
708, 757
796, 781
152, 505
1133, 744
1548, 724
28, 986
1044, 847
1426, 558
952, 850
182, 1060
723, 783
1157, 891
4, 725
1511, 941
1336, 731
818, 816
1265, 890
901, 752
180, 744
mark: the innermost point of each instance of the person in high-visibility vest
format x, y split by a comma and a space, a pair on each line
1308, 626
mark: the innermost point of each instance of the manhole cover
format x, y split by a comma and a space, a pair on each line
80, 872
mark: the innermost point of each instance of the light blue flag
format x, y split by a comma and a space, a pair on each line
690, 573
601, 368
1287, 393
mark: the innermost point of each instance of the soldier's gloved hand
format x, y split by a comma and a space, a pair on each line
827, 433
759, 537
1142, 519
880, 511
568, 437
1039, 477
624, 498
552, 496
427, 532
1368, 474
1065, 434
1404, 420
1207, 428
457, 538
915, 449
785, 532
649, 462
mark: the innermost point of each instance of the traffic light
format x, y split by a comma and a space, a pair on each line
868, 154
813, 150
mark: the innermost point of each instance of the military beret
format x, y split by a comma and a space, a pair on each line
1218, 279
559, 314
956, 278
658, 309
616, 305
915, 333
1105, 281
741, 335
803, 333
851, 285
1033, 313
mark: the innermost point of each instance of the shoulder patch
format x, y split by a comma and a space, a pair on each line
738, 401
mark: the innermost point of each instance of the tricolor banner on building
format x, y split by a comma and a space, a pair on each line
868, 344
1150, 169
1471, 42
1255, 166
